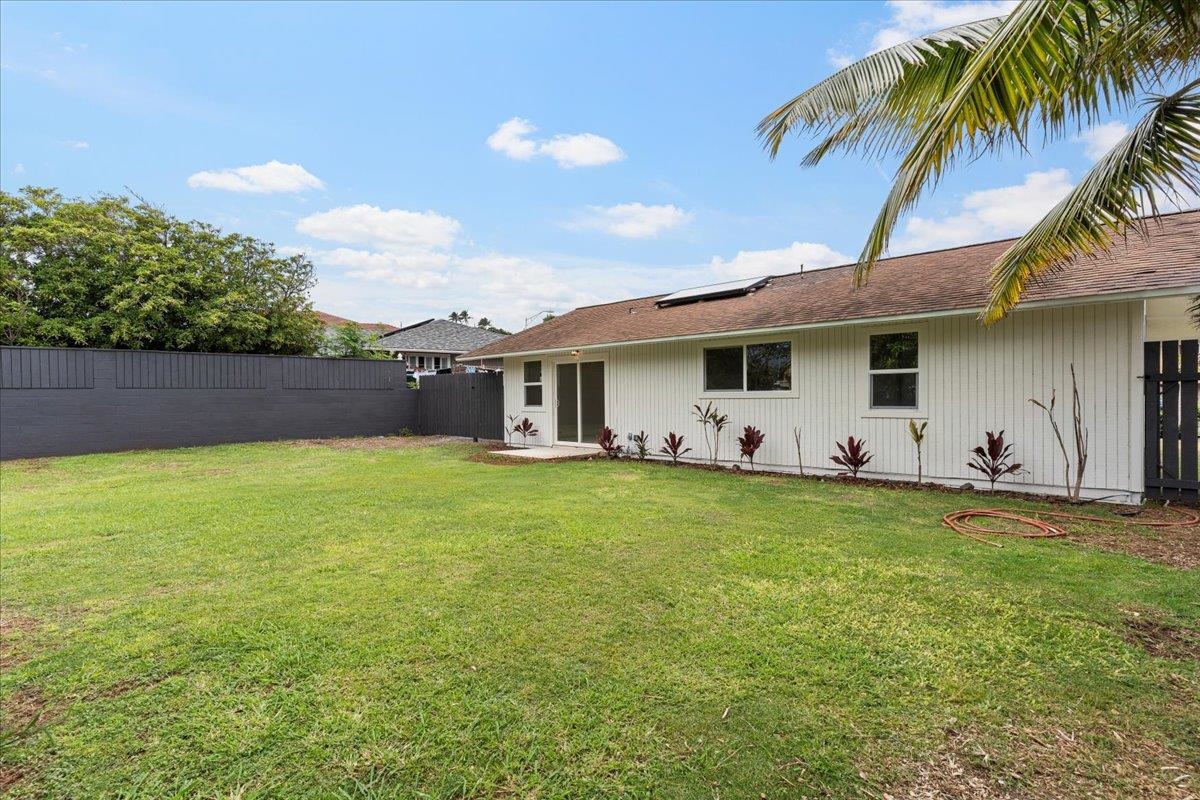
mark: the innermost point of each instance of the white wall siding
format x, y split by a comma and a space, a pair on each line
972, 379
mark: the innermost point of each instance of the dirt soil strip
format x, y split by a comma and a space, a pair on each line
1051, 763
385, 442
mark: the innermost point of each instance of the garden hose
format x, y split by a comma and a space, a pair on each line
1030, 527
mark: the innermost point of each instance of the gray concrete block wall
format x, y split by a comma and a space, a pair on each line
59, 401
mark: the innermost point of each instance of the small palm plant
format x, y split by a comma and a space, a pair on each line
526, 429
749, 442
641, 445
917, 434
673, 447
994, 460
712, 420
854, 455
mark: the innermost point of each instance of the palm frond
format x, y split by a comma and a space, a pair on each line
1158, 158
855, 97
1055, 64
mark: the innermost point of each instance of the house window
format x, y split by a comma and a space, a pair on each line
437, 362
748, 368
893, 370
533, 384
421, 362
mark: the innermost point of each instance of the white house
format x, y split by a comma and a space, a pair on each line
807, 351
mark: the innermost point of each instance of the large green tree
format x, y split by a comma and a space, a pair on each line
350, 341
117, 272
1047, 70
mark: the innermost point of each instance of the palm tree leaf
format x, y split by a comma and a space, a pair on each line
854, 100
1158, 158
1056, 64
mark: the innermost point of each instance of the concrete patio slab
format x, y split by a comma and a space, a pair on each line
547, 453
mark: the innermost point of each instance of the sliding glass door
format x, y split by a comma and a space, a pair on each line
580, 402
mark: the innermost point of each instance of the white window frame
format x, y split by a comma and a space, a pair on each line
542, 383
720, 344
919, 411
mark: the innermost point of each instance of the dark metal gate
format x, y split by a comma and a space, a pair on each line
1172, 439
462, 404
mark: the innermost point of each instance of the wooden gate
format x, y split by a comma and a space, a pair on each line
1172, 439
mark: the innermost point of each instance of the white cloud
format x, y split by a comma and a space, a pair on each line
393, 229
758, 263
76, 144
505, 288
273, 176
582, 150
512, 138
632, 220
19, 169
515, 287
913, 18
412, 270
988, 214
839, 58
1099, 140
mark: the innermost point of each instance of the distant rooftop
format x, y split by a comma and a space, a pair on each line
333, 321
437, 336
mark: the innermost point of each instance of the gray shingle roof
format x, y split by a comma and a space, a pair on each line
437, 336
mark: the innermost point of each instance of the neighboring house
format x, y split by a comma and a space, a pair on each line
332, 322
807, 352
436, 343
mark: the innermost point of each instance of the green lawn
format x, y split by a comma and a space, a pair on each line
288, 621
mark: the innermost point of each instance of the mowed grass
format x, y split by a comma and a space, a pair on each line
290, 621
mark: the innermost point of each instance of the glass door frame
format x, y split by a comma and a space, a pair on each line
576, 361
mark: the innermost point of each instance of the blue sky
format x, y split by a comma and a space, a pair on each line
501, 158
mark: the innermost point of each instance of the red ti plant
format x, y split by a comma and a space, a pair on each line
673, 447
854, 455
750, 440
526, 429
608, 443
994, 461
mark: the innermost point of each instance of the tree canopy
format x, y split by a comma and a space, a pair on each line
118, 272
350, 341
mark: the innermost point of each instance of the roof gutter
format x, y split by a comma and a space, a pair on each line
1031, 305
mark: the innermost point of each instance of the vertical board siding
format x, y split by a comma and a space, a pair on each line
307, 373
462, 404
973, 379
46, 368
136, 369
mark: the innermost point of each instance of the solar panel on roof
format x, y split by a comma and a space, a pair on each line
712, 292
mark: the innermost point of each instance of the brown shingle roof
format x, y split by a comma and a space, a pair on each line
923, 283
333, 320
